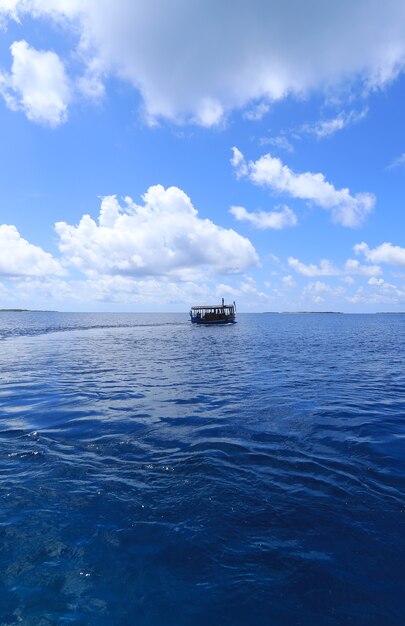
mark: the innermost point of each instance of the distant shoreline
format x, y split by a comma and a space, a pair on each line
26, 311
331, 313
304, 312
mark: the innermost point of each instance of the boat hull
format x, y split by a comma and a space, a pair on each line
203, 322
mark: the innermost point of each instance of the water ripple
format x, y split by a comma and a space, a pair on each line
155, 473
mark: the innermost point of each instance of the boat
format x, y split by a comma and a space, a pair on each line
214, 314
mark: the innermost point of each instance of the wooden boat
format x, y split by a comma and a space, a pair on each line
214, 314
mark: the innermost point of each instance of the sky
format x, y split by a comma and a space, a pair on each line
157, 155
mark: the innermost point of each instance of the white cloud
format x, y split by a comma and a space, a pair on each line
159, 290
318, 287
162, 237
257, 112
90, 85
284, 217
275, 258
288, 281
326, 268
381, 293
249, 288
18, 257
15, 9
381, 283
326, 128
375, 281
280, 141
223, 289
148, 290
39, 291
37, 85
209, 113
352, 266
385, 253
196, 61
269, 171
238, 162
150, 293
348, 280
399, 162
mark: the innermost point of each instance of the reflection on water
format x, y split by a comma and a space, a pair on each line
157, 473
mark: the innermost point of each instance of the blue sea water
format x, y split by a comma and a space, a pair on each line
157, 473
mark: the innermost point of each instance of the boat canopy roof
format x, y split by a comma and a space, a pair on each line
213, 306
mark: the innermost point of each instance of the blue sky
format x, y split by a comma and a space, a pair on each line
256, 154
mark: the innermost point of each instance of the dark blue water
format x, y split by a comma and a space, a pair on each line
157, 473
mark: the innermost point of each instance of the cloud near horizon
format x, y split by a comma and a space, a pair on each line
162, 237
255, 54
327, 268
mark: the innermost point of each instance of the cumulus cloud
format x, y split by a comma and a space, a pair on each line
196, 61
380, 283
18, 257
269, 171
37, 85
163, 236
352, 266
326, 268
385, 253
281, 218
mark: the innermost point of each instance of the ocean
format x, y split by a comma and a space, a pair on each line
158, 473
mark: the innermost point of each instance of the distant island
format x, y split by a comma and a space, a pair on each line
330, 313
25, 311
312, 313
304, 312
